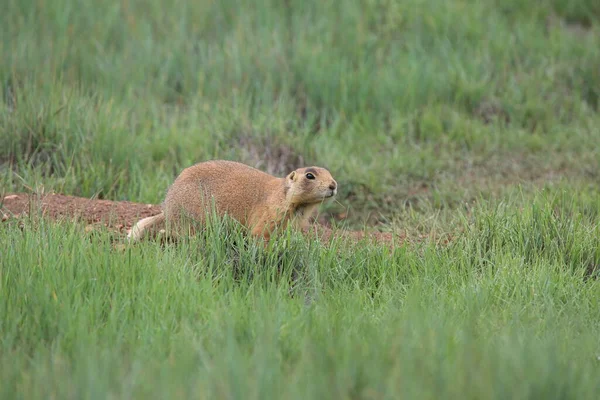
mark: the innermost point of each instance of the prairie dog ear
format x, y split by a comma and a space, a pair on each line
292, 176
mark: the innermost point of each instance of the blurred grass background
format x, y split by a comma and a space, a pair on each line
114, 98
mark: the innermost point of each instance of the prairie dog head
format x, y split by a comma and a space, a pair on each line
310, 185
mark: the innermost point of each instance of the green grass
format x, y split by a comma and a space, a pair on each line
475, 121
509, 310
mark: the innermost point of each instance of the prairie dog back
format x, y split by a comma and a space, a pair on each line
234, 188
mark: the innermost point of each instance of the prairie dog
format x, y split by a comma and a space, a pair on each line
259, 201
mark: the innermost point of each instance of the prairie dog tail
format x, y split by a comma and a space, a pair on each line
138, 230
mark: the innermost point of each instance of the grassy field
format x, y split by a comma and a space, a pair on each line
474, 121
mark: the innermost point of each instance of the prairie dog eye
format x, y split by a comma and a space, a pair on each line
310, 176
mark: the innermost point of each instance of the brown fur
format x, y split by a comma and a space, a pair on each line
259, 201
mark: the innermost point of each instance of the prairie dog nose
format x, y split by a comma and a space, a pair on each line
333, 185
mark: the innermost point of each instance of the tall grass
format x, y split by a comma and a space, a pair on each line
509, 310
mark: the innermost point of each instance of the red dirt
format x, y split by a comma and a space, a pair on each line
121, 215
117, 215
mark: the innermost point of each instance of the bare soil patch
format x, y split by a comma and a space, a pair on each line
116, 215
120, 216
268, 154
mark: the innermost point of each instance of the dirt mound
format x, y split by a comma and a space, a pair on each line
121, 215
117, 215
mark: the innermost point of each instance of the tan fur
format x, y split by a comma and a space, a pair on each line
138, 230
259, 201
